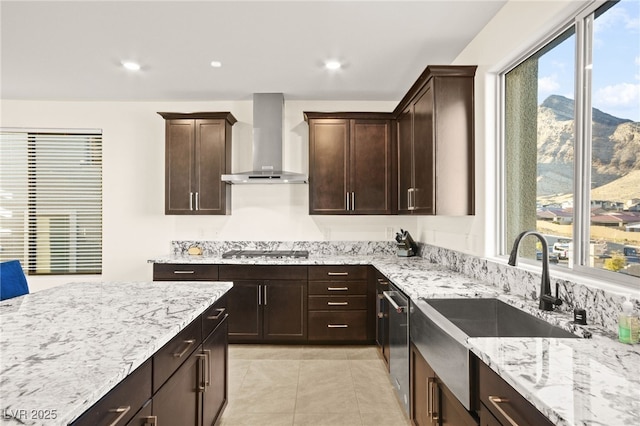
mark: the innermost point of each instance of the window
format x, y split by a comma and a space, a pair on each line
51, 201
571, 125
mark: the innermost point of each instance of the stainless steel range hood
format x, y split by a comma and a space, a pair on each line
268, 122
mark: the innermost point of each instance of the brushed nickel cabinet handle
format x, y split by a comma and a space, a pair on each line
265, 295
215, 317
495, 401
202, 361
184, 272
191, 201
337, 303
207, 362
122, 411
347, 199
188, 344
337, 288
197, 201
337, 326
337, 274
433, 388
353, 201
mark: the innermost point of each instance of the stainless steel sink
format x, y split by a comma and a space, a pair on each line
440, 328
494, 318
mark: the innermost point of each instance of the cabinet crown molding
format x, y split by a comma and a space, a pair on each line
200, 115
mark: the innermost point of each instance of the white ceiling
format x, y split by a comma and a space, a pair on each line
73, 50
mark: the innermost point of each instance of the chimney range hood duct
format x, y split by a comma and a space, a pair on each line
268, 122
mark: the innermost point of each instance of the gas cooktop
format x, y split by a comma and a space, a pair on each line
299, 254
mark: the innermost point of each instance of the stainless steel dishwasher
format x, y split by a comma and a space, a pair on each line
399, 342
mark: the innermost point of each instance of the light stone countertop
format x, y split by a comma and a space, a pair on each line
592, 381
64, 348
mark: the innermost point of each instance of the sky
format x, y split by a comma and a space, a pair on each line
616, 63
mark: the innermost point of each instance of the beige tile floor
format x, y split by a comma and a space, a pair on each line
310, 385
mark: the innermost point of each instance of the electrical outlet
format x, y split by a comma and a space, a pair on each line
390, 232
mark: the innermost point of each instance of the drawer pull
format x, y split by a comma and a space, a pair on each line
188, 343
215, 317
184, 272
337, 288
495, 400
337, 303
337, 274
122, 411
432, 403
337, 326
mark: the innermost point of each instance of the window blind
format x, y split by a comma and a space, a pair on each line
51, 200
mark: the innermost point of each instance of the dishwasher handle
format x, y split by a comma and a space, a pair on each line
399, 308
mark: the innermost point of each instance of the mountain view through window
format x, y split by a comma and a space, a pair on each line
612, 138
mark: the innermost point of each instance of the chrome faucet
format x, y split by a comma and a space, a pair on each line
547, 300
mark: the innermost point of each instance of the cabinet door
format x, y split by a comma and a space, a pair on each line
285, 310
210, 192
454, 146
328, 166
405, 159
245, 314
422, 397
177, 402
214, 396
452, 412
423, 152
179, 173
370, 177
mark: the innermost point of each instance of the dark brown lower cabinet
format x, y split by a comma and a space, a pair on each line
503, 405
177, 401
341, 304
214, 395
267, 303
432, 404
189, 377
120, 405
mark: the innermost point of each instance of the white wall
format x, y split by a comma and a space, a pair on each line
514, 30
135, 227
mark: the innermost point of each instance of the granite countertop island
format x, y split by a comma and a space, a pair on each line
64, 348
590, 381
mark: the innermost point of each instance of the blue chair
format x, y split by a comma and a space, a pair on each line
13, 283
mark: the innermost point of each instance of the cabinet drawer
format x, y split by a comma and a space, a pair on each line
262, 272
340, 303
336, 326
214, 316
502, 400
337, 288
173, 354
337, 272
122, 402
184, 272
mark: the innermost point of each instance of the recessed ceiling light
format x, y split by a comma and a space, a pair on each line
216, 64
332, 65
131, 66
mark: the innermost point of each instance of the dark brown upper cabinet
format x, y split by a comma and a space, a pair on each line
197, 152
435, 143
350, 163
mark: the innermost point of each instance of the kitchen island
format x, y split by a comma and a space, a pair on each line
571, 381
64, 348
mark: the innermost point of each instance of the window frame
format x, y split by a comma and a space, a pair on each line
582, 21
